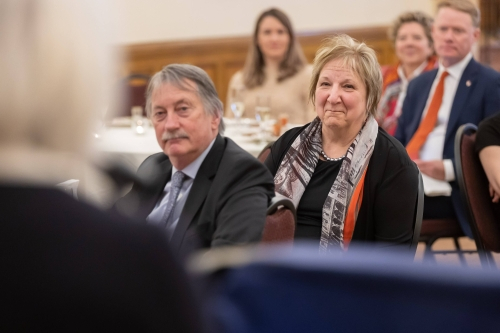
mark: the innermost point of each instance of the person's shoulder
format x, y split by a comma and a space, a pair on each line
425, 77
486, 72
237, 78
306, 71
154, 159
152, 164
389, 147
235, 155
237, 163
287, 138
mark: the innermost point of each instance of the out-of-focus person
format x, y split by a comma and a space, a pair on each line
348, 178
488, 148
439, 101
411, 36
67, 266
206, 191
276, 71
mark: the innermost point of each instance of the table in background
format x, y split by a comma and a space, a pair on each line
122, 143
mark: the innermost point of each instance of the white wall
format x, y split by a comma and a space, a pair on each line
145, 21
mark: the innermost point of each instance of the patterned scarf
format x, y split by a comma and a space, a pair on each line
299, 164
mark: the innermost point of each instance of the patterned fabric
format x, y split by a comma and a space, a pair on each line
299, 163
177, 179
388, 110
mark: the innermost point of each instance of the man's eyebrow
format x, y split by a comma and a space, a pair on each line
181, 101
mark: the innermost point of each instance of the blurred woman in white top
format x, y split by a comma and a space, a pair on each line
275, 69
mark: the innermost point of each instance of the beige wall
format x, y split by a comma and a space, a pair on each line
145, 21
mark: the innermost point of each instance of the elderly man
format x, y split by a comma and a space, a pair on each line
460, 91
206, 191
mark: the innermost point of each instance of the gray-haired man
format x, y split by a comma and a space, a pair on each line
207, 190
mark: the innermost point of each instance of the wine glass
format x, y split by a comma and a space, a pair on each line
237, 104
263, 108
262, 113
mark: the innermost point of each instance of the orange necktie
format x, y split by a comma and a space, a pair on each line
429, 122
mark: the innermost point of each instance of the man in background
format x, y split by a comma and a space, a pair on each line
204, 189
460, 91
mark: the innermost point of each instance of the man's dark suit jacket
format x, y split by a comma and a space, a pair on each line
477, 97
69, 267
226, 204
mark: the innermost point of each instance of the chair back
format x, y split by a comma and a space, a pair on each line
355, 291
133, 91
483, 216
280, 221
265, 152
419, 213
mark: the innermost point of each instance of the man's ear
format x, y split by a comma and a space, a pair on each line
216, 119
477, 33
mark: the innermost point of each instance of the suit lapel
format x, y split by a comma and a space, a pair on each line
198, 192
460, 98
420, 103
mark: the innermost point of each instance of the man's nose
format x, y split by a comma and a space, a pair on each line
171, 121
448, 34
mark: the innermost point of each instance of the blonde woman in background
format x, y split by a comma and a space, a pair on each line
349, 180
275, 69
411, 36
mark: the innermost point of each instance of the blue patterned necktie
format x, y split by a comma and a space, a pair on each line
175, 187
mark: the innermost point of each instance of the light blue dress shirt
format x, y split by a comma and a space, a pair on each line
156, 215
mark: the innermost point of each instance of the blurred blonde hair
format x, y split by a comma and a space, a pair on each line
357, 57
54, 66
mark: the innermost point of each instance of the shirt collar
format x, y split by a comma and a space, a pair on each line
192, 169
415, 73
457, 69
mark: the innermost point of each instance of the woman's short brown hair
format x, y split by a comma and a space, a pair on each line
419, 17
253, 72
357, 57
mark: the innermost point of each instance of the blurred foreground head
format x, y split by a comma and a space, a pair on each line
54, 65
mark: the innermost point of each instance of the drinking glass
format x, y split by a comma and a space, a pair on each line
263, 108
237, 103
139, 123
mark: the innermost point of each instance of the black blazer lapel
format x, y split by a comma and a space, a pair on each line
198, 192
461, 96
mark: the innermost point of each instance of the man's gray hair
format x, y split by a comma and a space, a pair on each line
176, 75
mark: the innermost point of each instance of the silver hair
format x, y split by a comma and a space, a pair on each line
177, 74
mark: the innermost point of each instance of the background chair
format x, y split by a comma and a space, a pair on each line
133, 93
265, 152
433, 229
484, 216
280, 221
419, 212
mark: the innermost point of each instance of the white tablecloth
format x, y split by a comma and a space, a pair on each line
123, 143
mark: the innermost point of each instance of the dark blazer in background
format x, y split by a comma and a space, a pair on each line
68, 267
227, 202
477, 97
